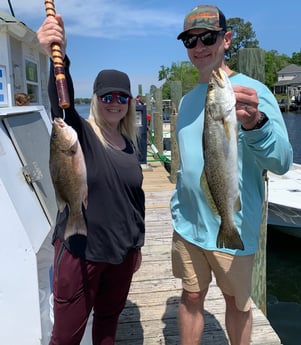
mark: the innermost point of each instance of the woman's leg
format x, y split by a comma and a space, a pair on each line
110, 300
73, 281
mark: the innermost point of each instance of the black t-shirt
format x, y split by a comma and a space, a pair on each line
115, 212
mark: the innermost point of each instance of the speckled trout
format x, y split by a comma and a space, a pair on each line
69, 177
220, 177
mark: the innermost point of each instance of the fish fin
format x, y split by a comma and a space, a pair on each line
76, 225
61, 204
227, 128
85, 199
229, 239
237, 205
206, 190
85, 202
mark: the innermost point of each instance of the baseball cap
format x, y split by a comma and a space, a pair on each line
111, 80
204, 17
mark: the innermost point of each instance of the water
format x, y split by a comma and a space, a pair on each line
293, 125
283, 259
83, 109
284, 264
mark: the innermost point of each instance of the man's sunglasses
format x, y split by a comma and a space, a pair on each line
109, 98
208, 38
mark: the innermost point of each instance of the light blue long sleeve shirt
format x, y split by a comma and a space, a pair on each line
267, 148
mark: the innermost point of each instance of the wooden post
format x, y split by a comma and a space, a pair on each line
174, 148
158, 121
158, 131
176, 93
259, 270
251, 62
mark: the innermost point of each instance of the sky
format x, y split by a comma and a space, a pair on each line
138, 37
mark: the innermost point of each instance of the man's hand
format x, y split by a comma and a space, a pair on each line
246, 106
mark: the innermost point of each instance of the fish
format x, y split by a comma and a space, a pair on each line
219, 179
69, 176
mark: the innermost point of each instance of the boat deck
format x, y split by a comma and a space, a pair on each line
150, 316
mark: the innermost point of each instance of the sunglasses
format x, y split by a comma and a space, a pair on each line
109, 98
208, 38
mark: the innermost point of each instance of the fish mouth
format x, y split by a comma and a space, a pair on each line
218, 76
63, 134
58, 121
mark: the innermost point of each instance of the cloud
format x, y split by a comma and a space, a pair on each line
103, 18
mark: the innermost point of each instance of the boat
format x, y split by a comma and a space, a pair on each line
27, 199
284, 201
288, 106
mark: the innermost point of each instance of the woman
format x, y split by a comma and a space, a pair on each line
96, 271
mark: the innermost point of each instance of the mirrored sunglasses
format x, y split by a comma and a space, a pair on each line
208, 38
109, 98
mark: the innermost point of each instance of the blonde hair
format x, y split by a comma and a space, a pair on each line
127, 125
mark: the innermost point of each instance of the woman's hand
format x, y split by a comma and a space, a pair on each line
138, 261
52, 31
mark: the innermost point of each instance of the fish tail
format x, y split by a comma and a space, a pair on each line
76, 225
229, 239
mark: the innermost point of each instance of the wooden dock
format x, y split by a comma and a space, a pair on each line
150, 316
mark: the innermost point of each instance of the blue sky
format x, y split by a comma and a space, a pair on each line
138, 37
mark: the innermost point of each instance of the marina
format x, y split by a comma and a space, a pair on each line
150, 316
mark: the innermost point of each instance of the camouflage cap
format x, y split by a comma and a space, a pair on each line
204, 17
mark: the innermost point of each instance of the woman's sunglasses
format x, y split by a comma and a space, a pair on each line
109, 98
208, 38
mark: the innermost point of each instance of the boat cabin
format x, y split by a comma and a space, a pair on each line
23, 64
27, 200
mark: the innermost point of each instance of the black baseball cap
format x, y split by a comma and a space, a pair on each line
111, 80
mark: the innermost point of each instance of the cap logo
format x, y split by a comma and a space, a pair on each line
207, 15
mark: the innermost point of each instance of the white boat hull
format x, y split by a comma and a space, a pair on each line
284, 210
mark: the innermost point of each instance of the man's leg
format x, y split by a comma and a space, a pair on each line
238, 323
234, 278
189, 263
191, 317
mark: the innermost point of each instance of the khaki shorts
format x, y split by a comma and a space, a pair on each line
194, 265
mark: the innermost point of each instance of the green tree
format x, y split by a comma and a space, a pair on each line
164, 73
274, 63
296, 58
183, 71
243, 36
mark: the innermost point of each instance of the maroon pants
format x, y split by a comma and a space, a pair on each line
80, 286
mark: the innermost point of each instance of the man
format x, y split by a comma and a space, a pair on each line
262, 145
